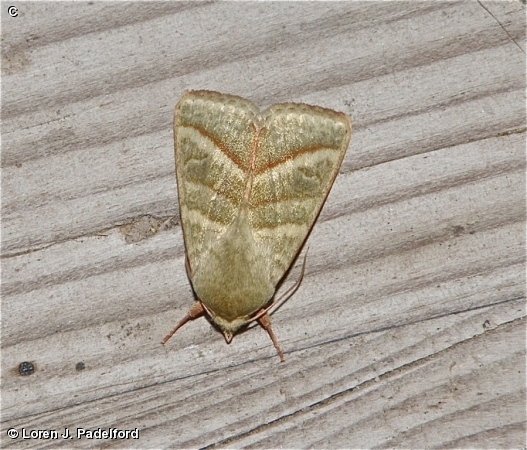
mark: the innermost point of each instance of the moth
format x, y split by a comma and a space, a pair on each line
251, 184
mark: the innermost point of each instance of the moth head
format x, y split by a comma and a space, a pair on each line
227, 327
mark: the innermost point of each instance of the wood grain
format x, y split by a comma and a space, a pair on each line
409, 327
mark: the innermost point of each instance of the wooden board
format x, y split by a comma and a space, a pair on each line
409, 327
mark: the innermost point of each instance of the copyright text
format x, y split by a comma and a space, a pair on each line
77, 433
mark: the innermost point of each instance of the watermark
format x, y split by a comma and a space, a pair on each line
77, 433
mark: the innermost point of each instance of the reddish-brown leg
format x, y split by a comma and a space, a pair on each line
265, 322
194, 312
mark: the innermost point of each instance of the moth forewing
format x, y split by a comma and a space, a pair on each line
250, 187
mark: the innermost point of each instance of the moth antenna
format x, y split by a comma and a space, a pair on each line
265, 322
287, 294
187, 266
295, 286
194, 312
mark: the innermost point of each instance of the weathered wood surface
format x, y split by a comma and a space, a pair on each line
409, 327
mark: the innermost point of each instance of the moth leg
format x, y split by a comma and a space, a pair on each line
194, 312
265, 323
